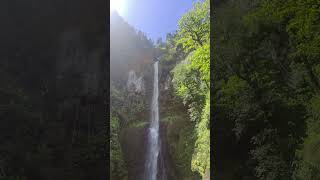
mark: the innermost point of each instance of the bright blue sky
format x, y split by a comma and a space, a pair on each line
156, 18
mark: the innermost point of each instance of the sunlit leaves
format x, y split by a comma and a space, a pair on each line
301, 21
201, 60
194, 26
191, 78
201, 157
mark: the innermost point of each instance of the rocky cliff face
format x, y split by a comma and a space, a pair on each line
131, 80
178, 129
133, 136
175, 127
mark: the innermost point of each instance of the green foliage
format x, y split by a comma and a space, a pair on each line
187, 83
138, 124
300, 20
181, 144
194, 26
191, 78
181, 137
266, 71
236, 98
308, 166
270, 162
201, 60
117, 166
201, 156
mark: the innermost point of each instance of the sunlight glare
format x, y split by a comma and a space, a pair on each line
117, 5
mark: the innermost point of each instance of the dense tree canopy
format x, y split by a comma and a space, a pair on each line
266, 86
191, 78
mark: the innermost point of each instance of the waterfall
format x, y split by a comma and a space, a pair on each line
153, 134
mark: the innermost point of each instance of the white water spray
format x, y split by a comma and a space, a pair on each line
153, 146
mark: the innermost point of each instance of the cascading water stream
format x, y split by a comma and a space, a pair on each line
153, 134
